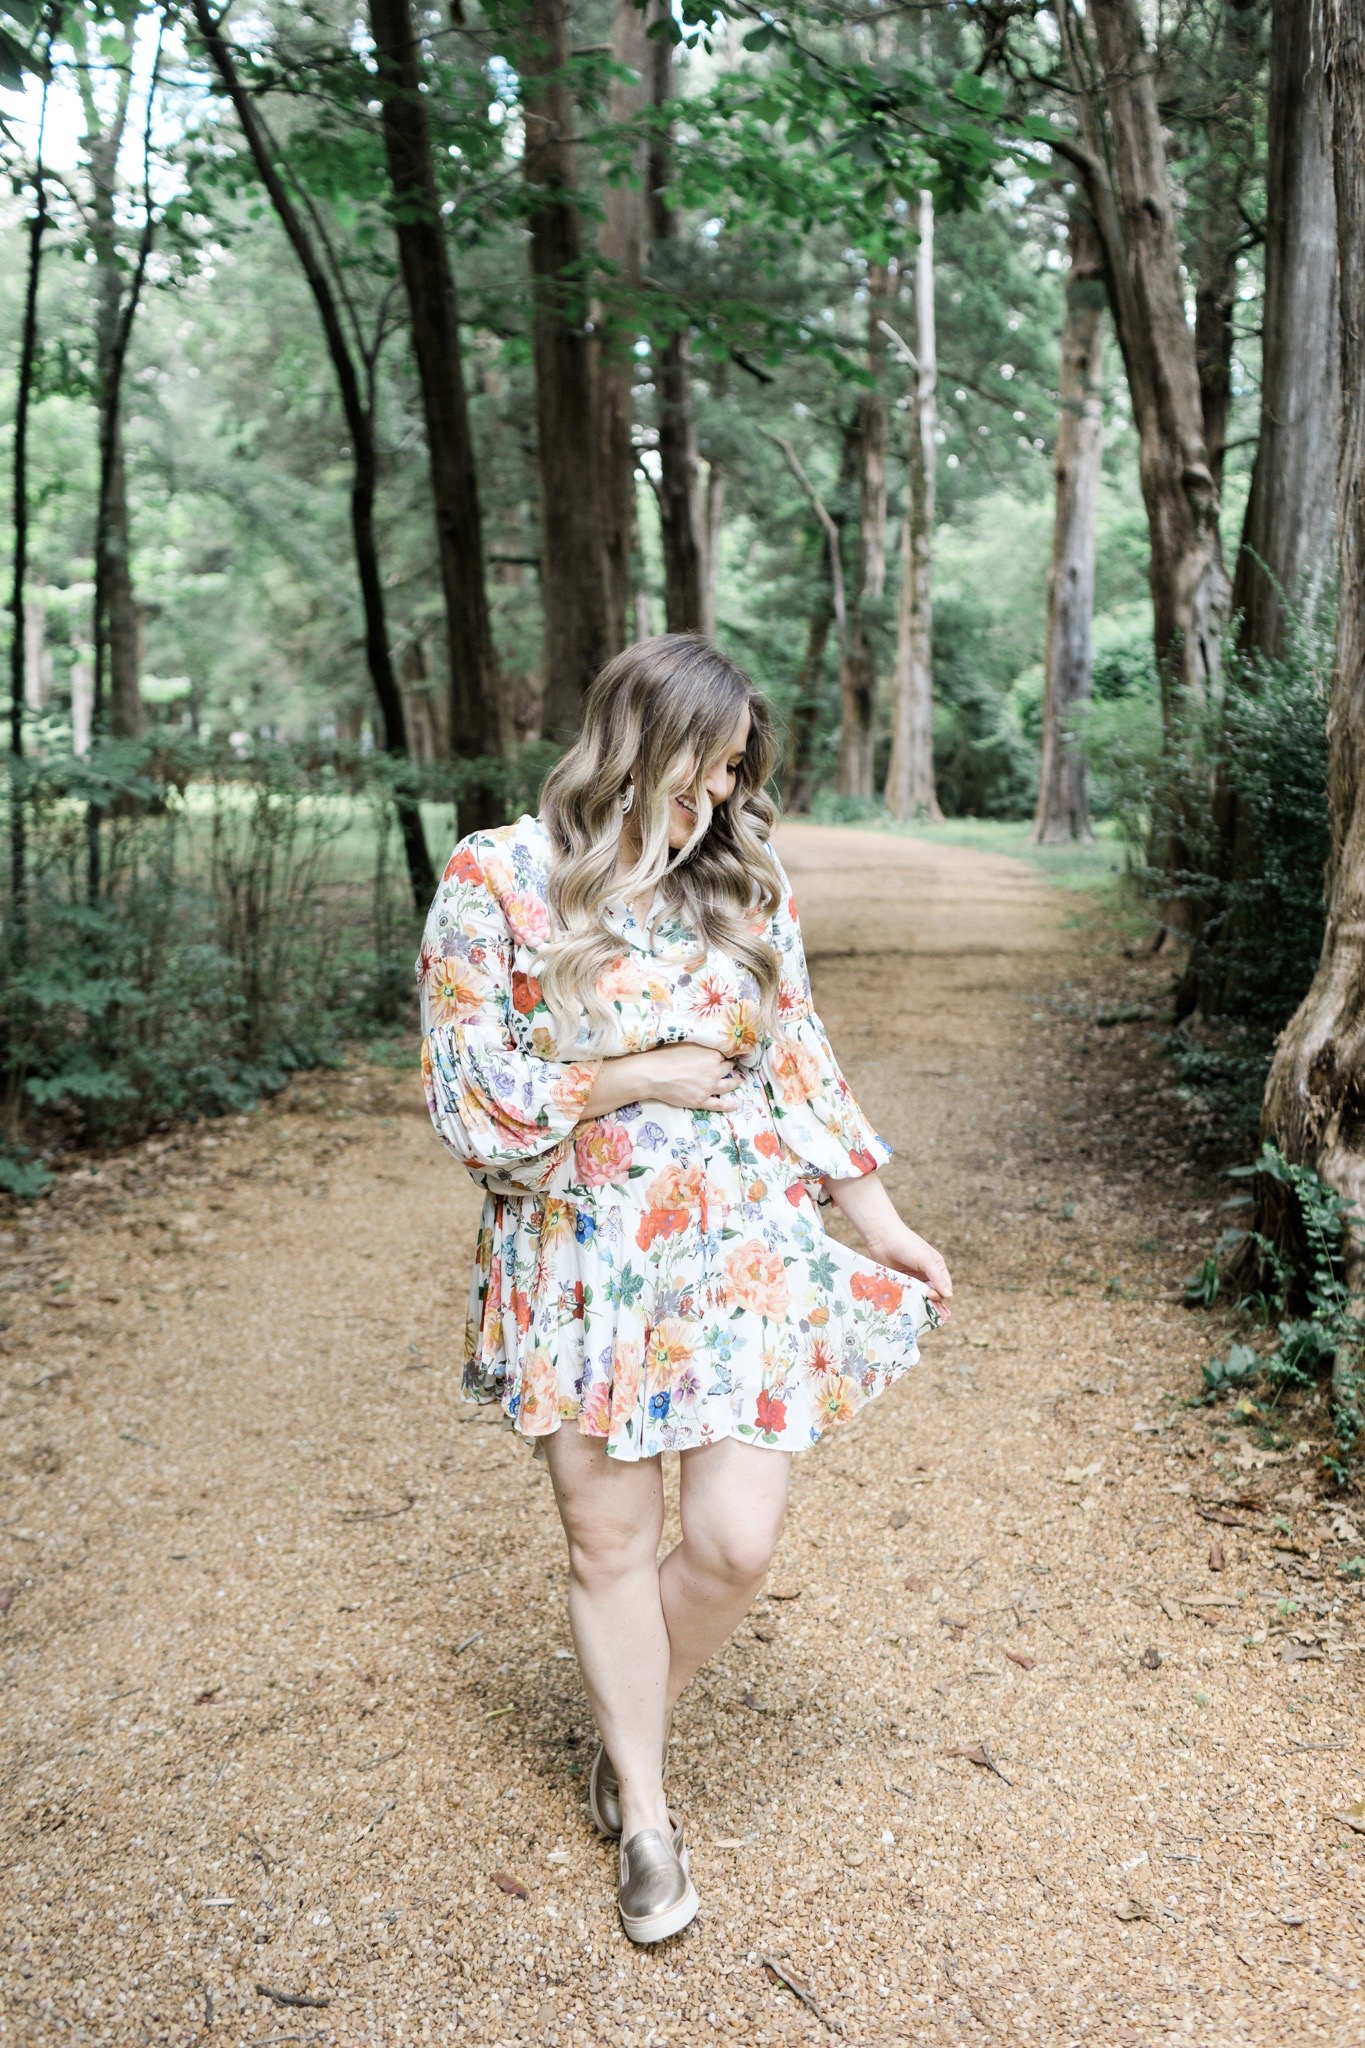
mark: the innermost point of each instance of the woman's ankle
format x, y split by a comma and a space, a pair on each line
640, 1811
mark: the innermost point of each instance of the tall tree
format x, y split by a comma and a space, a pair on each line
680, 506
117, 633
1127, 180
1317, 1078
1063, 810
1230, 80
357, 404
867, 438
1286, 549
430, 287
621, 244
574, 582
910, 790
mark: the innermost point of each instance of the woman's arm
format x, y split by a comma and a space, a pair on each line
871, 1211
685, 1076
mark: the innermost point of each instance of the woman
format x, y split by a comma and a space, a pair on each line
619, 1044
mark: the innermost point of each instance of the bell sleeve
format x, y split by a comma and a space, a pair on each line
507, 1113
812, 1104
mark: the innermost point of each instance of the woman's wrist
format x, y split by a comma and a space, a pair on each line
618, 1082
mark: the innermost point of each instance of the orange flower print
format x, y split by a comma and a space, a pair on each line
818, 1317
836, 1402
527, 918
769, 1144
453, 992
789, 1000
878, 1291
795, 1192
573, 1087
462, 867
712, 996
756, 1190
669, 1347
525, 993
796, 1071
539, 1394
757, 1279
670, 1199
625, 1383
521, 1309
770, 1414
595, 1414
741, 1029
603, 1152
865, 1161
624, 981
820, 1359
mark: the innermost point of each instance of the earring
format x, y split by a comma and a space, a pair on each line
627, 798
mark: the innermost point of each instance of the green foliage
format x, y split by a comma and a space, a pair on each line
1328, 1334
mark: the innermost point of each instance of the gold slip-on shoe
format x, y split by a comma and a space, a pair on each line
656, 1897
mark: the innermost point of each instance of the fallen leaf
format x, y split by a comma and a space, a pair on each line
1223, 1515
765, 1635
559, 1856
1018, 1657
1351, 1816
730, 1842
1170, 1607
792, 1593
1294, 1652
899, 1519
1130, 1909
513, 1888
207, 1696
1150, 1660
1216, 1556
913, 1584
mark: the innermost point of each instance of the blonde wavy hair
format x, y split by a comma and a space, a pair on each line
655, 720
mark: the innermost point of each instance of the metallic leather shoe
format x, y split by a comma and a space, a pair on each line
656, 1897
604, 1794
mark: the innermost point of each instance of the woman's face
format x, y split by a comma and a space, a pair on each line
718, 782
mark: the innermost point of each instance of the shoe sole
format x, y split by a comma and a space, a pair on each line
660, 1926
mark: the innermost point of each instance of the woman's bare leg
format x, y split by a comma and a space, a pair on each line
732, 1497
613, 1518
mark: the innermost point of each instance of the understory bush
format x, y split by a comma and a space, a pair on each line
244, 918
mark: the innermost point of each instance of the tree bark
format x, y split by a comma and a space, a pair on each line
360, 427
115, 624
434, 310
23, 404
798, 782
910, 791
1283, 562
1063, 810
1314, 1106
858, 708
680, 511
1230, 165
621, 244
1133, 209
573, 581
714, 527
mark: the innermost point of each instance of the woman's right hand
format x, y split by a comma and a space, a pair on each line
684, 1076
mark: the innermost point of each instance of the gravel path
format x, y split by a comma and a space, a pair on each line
1018, 1745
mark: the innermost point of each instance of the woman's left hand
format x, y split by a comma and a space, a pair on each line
905, 1251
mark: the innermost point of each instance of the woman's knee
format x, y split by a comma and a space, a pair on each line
736, 1548
604, 1552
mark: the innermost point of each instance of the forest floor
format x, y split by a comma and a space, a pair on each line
1018, 1746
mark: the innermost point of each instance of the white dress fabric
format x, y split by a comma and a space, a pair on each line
659, 1277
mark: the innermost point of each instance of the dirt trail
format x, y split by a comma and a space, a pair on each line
288, 1700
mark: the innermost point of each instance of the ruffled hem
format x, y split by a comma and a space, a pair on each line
758, 1327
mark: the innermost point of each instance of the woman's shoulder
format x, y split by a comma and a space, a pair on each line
511, 864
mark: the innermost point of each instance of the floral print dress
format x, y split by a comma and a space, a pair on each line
659, 1277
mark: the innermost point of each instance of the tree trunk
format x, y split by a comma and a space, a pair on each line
621, 245
714, 526
23, 403
573, 580
432, 303
1231, 161
360, 427
1316, 1087
1063, 811
680, 513
115, 621
910, 791
798, 782
1136, 219
858, 710
1291, 513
